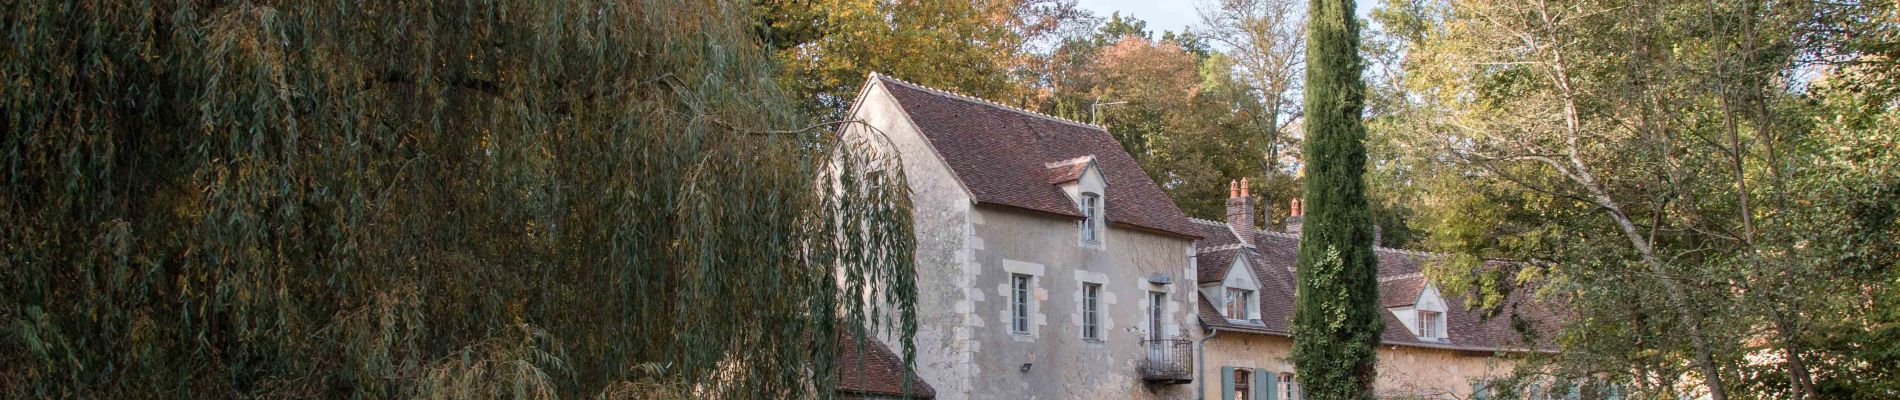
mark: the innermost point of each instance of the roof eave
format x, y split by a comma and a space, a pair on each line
1160, 231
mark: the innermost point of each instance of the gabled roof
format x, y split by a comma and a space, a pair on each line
867, 367
1401, 291
1273, 258
1069, 170
1004, 156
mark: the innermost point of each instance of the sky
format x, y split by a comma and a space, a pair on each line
1163, 15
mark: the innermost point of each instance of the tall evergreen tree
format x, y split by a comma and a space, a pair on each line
1336, 322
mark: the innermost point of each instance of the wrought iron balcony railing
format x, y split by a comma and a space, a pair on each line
1168, 361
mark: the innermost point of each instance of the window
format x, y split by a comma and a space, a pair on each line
1019, 303
1091, 217
1289, 387
1239, 303
1243, 384
1155, 301
1430, 324
1091, 325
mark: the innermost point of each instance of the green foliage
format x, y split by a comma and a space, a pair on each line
827, 47
1743, 144
423, 199
1336, 320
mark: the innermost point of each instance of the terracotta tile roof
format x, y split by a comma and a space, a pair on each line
1401, 291
1068, 171
1275, 254
866, 367
1002, 155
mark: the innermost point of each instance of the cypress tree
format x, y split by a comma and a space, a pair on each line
1336, 321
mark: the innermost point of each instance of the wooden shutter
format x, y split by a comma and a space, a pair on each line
1227, 383
1267, 382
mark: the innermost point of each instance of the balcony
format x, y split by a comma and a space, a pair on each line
1169, 361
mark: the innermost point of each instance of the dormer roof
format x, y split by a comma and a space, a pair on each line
1069, 170
1401, 291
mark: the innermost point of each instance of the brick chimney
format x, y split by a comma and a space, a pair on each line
1240, 211
1295, 217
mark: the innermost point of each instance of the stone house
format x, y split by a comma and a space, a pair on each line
1432, 347
1051, 266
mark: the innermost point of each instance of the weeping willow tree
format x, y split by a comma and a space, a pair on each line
435, 199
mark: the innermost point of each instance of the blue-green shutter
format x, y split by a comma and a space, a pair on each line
1264, 385
1226, 383
1477, 391
1616, 393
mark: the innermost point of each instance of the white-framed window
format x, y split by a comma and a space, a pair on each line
1239, 303
1431, 324
1091, 217
1091, 311
1290, 387
1157, 303
1019, 303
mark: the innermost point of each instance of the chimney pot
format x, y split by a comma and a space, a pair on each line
1295, 221
1240, 215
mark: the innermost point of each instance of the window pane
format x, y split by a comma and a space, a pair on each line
1019, 307
1091, 212
1090, 293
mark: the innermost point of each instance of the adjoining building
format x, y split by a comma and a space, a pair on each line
1051, 266
1432, 347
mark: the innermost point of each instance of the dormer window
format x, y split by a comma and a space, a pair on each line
1431, 324
1091, 217
1239, 303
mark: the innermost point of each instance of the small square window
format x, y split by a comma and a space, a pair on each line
1431, 324
1239, 303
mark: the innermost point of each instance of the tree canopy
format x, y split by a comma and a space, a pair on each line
423, 199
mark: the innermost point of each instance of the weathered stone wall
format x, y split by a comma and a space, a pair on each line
939, 210
1404, 371
1066, 366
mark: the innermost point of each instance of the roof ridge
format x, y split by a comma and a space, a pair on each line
979, 100
1409, 275
1290, 235
1206, 222
1280, 234
1220, 248
1069, 162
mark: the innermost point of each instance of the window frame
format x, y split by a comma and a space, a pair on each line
1091, 311
1091, 218
1245, 301
1243, 383
1021, 286
1430, 324
1157, 305
1289, 386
